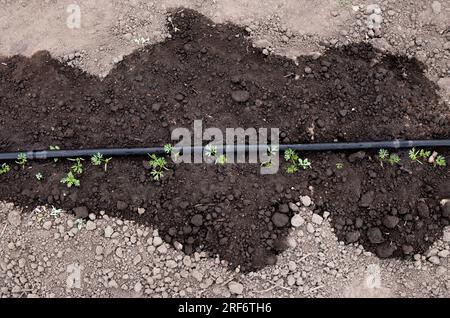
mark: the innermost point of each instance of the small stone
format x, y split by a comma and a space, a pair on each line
197, 220
292, 266
407, 249
240, 96
81, 212
294, 207
171, 264
390, 221
119, 252
178, 246
121, 205
352, 237
367, 199
446, 236
385, 250
187, 261
137, 259
179, 97
447, 46
14, 218
436, 7
317, 219
283, 208
375, 236
310, 228
373, 8
360, 155
108, 231
156, 107
138, 287
280, 219
99, 250
297, 221
308, 70
423, 210
434, 260
90, 226
157, 241
305, 200
236, 288
141, 211
444, 253
197, 275
47, 225
444, 84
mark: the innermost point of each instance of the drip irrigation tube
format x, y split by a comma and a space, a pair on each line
337, 146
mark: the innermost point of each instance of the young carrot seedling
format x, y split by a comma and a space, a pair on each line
4, 169
22, 159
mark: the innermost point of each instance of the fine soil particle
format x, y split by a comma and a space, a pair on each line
212, 72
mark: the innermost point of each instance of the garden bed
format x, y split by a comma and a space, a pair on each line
350, 93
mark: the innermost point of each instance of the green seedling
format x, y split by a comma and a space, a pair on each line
440, 161
295, 161
98, 160
290, 155
77, 167
272, 151
79, 223
383, 154
210, 151
221, 160
70, 180
304, 163
55, 212
267, 164
292, 169
22, 159
4, 169
339, 165
158, 165
106, 162
39, 176
54, 148
414, 155
424, 154
168, 149
394, 159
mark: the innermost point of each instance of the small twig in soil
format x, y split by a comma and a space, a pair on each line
3, 231
304, 257
406, 170
273, 287
314, 289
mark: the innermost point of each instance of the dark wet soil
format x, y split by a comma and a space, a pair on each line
350, 93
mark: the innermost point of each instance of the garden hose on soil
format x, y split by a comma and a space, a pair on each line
338, 146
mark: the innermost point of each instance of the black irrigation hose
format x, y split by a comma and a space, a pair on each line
338, 146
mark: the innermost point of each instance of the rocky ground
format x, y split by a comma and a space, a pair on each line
50, 253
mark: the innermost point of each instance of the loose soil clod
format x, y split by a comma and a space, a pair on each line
212, 72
